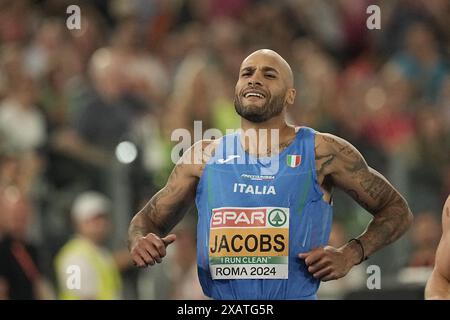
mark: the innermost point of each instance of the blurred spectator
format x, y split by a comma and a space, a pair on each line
185, 283
20, 274
444, 100
23, 132
15, 20
95, 137
99, 274
43, 51
421, 62
22, 124
389, 124
425, 235
203, 83
321, 19
429, 160
316, 80
399, 15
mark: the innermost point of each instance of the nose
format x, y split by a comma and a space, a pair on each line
254, 83
255, 80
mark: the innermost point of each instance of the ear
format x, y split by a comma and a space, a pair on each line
290, 96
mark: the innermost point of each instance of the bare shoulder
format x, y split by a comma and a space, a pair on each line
446, 216
442, 265
324, 139
195, 158
327, 142
333, 153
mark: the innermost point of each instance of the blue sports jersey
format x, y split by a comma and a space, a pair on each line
255, 216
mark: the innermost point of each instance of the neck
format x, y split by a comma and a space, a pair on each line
267, 137
277, 122
90, 239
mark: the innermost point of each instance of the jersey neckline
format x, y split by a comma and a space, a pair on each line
298, 135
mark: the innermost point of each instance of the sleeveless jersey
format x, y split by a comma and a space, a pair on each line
255, 216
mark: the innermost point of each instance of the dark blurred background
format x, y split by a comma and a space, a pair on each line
94, 109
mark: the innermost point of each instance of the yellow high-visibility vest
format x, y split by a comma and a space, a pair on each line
108, 276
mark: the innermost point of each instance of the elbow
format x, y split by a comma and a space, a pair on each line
408, 218
404, 217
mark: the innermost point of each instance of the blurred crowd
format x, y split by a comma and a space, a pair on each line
86, 117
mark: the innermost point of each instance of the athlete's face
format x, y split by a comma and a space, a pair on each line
264, 86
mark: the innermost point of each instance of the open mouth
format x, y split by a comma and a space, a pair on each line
255, 94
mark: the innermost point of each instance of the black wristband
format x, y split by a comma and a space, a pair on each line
363, 257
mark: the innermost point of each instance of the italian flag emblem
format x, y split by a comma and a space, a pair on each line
293, 160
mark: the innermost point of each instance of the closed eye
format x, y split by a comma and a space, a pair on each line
270, 76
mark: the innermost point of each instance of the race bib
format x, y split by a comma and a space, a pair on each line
249, 243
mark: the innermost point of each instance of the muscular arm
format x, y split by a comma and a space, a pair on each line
339, 163
166, 208
438, 285
147, 234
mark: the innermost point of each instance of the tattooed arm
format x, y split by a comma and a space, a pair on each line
339, 164
438, 285
147, 234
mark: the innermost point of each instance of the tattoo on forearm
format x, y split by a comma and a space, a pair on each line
369, 189
164, 210
352, 193
387, 226
374, 186
378, 189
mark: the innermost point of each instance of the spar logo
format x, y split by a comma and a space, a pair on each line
238, 217
232, 217
277, 217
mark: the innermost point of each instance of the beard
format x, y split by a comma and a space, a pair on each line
270, 109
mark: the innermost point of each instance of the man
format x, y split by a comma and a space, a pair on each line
264, 219
85, 256
20, 275
438, 286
